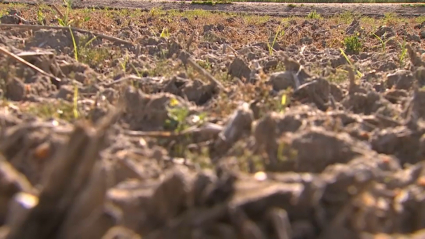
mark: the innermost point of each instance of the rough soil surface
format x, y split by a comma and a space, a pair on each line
190, 125
271, 9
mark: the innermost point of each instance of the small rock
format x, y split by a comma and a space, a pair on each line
395, 96
239, 69
306, 40
208, 28
66, 92
324, 148
387, 66
15, 89
402, 80
339, 61
413, 37
420, 75
416, 106
385, 32
220, 27
9, 19
355, 24
282, 80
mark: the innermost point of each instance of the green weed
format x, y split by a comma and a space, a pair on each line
58, 110
212, 3
40, 16
75, 103
383, 43
279, 32
313, 15
178, 116
164, 33
74, 44
65, 21
403, 53
349, 62
352, 44
346, 17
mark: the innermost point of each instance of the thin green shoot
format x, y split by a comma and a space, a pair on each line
75, 102
74, 43
403, 53
349, 62
165, 34
383, 43
65, 21
124, 62
90, 41
40, 16
279, 32
283, 102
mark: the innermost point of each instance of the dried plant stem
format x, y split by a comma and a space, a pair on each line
38, 27
19, 59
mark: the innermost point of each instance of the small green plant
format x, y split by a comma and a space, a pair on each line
40, 16
58, 110
390, 18
178, 116
74, 44
279, 32
65, 21
313, 15
209, 2
165, 34
124, 62
205, 64
346, 17
75, 102
352, 44
383, 43
155, 11
339, 76
349, 62
403, 53
92, 56
283, 102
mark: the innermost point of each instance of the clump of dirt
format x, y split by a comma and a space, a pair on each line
168, 124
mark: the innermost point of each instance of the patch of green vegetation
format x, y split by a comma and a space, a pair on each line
413, 5
383, 42
210, 2
178, 116
161, 68
58, 109
90, 55
352, 44
346, 17
313, 15
204, 64
66, 20
403, 53
270, 46
420, 19
154, 12
339, 76
256, 19
367, 20
349, 62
